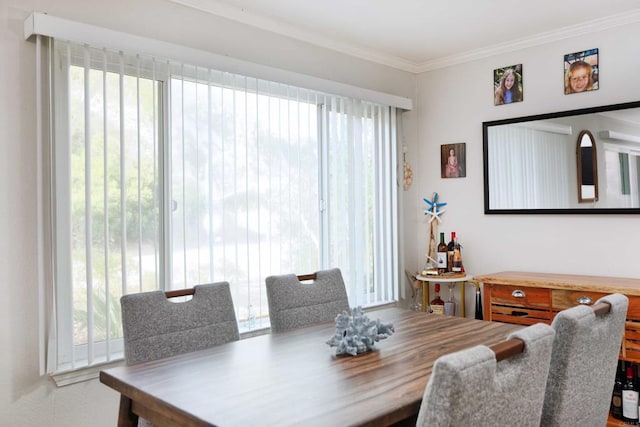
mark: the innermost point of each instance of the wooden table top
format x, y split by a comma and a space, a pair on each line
295, 378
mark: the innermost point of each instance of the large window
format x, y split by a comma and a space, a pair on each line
168, 175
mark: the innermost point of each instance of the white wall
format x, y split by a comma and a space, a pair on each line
26, 398
453, 103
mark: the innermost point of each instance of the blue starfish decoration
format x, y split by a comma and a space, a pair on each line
434, 208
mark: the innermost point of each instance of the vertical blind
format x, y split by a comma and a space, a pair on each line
518, 152
622, 164
168, 175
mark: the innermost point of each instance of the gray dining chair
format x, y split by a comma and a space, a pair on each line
294, 304
155, 327
502, 385
583, 363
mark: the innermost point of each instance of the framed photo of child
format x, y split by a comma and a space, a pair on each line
581, 71
507, 85
453, 160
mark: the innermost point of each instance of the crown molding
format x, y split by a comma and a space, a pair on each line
224, 10
587, 27
242, 16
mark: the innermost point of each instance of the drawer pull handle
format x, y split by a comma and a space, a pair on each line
519, 313
518, 294
585, 300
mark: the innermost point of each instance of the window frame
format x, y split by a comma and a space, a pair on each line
64, 301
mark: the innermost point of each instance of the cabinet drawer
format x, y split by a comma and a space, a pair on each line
633, 312
520, 315
520, 296
564, 298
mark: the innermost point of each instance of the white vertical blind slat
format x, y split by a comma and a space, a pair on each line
138, 174
260, 141
394, 208
246, 190
105, 201
123, 175
87, 203
183, 207
199, 277
234, 151
43, 308
68, 347
156, 207
210, 175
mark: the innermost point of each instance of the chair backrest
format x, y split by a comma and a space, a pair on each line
155, 327
472, 388
583, 364
293, 304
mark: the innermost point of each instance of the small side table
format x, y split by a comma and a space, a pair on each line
443, 279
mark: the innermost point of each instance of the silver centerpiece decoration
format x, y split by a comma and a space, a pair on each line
355, 333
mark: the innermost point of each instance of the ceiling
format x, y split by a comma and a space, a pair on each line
420, 35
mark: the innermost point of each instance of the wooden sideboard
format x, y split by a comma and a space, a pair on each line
527, 298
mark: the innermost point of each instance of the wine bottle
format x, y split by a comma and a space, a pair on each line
450, 247
616, 398
478, 304
629, 398
457, 257
437, 305
442, 255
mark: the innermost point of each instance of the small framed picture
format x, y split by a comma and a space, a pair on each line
453, 160
507, 85
581, 71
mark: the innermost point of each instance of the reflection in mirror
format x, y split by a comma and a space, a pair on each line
531, 164
587, 168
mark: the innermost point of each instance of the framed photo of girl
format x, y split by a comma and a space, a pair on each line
581, 71
507, 85
453, 160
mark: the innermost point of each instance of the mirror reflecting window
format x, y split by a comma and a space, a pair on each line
587, 168
547, 163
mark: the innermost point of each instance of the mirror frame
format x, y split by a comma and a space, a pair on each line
594, 166
576, 112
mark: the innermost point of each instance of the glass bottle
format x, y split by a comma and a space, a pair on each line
437, 305
442, 255
616, 398
478, 303
457, 257
629, 398
450, 247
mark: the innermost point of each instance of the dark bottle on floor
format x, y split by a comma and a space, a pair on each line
629, 398
478, 304
616, 398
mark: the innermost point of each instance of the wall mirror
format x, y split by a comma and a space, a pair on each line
583, 161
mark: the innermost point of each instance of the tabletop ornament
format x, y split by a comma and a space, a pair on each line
355, 333
434, 212
408, 172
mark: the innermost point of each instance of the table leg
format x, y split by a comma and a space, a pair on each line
126, 417
425, 296
464, 301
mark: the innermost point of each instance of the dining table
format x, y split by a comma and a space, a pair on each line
295, 378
